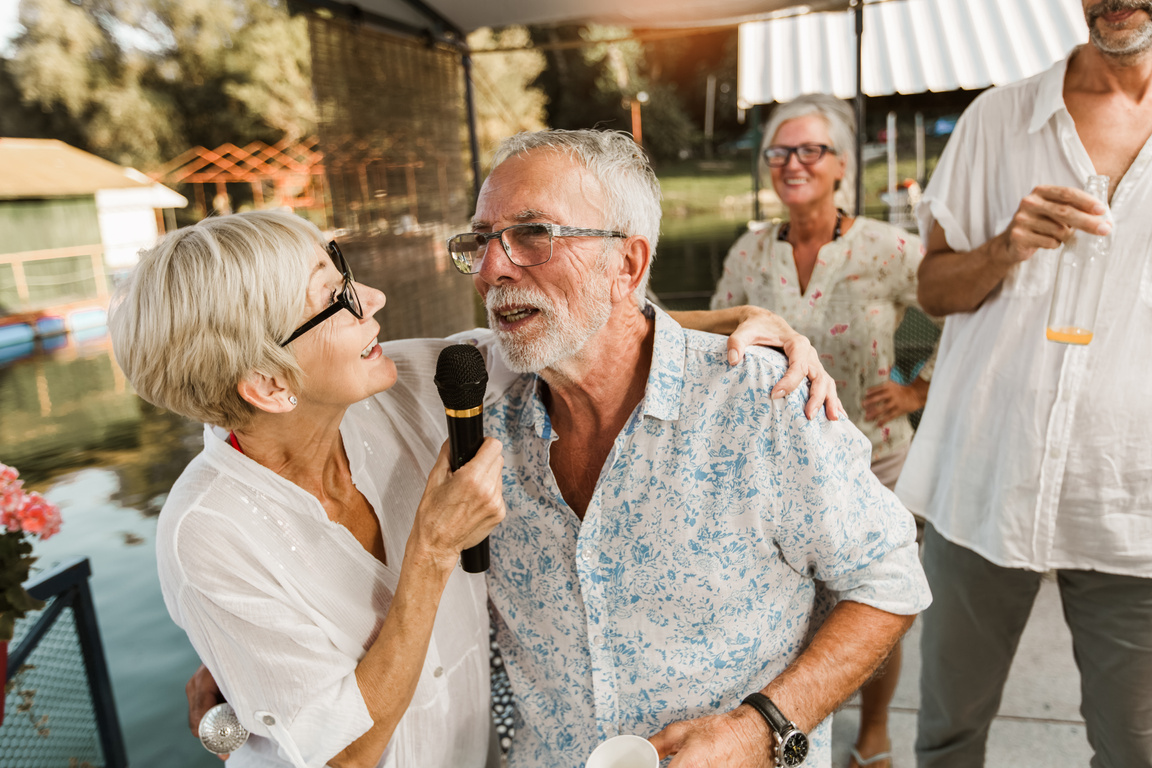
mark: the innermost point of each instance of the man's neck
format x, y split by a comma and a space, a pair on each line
1092, 72
1110, 101
590, 397
605, 381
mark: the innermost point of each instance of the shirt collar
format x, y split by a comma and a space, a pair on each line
1049, 96
665, 387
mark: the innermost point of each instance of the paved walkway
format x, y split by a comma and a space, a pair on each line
1039, 725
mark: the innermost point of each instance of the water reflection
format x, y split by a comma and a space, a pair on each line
689, 263
70, 407
70, 422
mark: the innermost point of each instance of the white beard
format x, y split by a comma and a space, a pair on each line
1136, 41
559, 335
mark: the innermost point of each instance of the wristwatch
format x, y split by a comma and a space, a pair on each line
791, 743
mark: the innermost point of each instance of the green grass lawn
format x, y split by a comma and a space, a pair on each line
703, 196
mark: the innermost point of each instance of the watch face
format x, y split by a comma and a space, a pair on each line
793, 749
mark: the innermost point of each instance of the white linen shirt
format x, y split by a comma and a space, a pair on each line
690, 582
281, 603
1031, 453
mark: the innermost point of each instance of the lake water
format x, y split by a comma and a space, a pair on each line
76, 431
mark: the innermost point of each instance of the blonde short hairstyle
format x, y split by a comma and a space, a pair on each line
209, 304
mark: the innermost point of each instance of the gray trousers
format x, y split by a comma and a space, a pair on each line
970, 634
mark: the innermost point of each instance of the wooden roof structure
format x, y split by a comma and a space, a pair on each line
293, 169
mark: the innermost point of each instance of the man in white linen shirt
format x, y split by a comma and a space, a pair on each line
668, 519
1034, 455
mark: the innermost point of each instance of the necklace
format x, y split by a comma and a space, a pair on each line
782, 235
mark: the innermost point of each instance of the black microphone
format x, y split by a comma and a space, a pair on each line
461, 379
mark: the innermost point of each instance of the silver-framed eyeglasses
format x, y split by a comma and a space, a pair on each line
525, 245
345, 298
777, 155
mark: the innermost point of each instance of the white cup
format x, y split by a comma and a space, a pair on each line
624, 752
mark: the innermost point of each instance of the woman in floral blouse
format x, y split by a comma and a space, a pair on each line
845, 283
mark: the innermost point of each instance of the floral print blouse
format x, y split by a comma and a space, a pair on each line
860, 288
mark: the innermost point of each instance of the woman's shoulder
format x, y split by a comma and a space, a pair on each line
881, 234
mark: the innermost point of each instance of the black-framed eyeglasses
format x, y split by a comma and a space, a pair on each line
777, 155
525, 245
345, 298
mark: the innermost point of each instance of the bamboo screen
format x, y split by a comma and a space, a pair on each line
393, 133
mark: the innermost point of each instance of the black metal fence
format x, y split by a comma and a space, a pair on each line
59, 711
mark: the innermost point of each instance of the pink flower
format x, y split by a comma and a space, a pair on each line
25, 512
39, 516
11, 498
838, 329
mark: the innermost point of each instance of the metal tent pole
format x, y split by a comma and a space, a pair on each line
860, 135
470, 104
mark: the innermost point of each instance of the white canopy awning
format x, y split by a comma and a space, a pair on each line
910, 46
468, 15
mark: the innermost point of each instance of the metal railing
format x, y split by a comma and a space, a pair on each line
58, 699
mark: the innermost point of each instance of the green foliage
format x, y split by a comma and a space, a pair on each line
140, 81
15, 562
683, 64
593, 75
582, 91
506, 101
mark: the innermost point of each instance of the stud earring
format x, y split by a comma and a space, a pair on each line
292, 399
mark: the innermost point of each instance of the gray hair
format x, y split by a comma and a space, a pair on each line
841, 123
208, 305
631, 190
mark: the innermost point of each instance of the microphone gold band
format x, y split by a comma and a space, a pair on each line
464, 414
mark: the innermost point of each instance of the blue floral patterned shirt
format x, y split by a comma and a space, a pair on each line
691, 580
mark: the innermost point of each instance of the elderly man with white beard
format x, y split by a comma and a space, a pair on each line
1050, 466
669, 521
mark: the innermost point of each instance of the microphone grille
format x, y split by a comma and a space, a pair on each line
461, 377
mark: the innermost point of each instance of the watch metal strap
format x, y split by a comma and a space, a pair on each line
769, 712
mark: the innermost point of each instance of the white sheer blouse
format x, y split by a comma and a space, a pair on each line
281, 603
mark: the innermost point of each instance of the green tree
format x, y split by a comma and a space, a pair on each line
683, 63
593, 75
142, 80
506, 101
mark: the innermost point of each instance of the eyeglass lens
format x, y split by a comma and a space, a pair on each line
808, 154
348, 295
527, 245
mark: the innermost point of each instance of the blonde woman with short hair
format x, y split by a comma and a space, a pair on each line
310, 551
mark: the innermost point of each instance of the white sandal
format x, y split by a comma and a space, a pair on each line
862, 763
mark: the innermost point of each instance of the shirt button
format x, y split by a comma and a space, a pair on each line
439, 671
